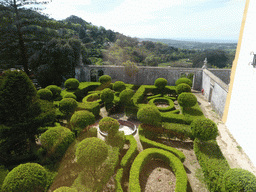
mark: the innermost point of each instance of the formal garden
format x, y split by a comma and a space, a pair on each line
50, 137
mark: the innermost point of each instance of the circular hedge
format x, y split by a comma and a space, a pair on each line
183, 87
68, 105
29, 177
65, 189
56, 140
237, 179
109, 125
160, 83
187, 100
70, 95
55, 90
45, 94
183, 80
105, 79
165, 100
119, 86
71, 84
204, 129
81, 119
125, 97
149, 115
91, 152
107, 95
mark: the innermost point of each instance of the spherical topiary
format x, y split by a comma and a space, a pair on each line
160, 83
107, 95
125, 97
109, 125
56, 140
71, 84
183, 87
187, 100
65, 189
149, 115
119, 86
55, 90
204, 129
116, 140
68, 105
70, 95
237, 179
183, 80
81, 119
29, 177
105, 79
91, 152
45, 94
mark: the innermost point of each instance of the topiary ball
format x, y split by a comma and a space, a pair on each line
107, 95
183, 87
149, 115
56, 140
116, 140
119, 86
237, 179
45, 94
55, 90
125, 97
71, 84
204, 129
65, 189
109, 125
105, 79
70, 95
29, 177
183, 80
91, 152
68, 105
187, 100
81, 119
160, 83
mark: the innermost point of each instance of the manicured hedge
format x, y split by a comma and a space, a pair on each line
212, 162
183, 87
147, 155
91, 98
187, 100
44, 94
65, 189
119, 86
55, 90
163, 99
71, 84
176, 118
70, 95
183, 80
90, 106
176, 130
149, 115
118, 180
105, 79
68, 105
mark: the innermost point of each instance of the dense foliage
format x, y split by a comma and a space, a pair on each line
183, 80
149, 115
109, 125
55, 90
45, 94
119, 86
160, 83
107, 95
105, 79
187, 100
65, 189
29, 177
68, 105
183, 87
71, 84
70, 95
125, 97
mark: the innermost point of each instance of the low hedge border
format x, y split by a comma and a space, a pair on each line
164, 99
212, 162
147, 142
180, 131
159, 95
92, 96
176, 118
147, 155
92, 107
118, 180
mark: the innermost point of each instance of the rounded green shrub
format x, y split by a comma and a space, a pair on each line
109, 125
183, 87
65, 189
70, 95
204, 129
81, 119
187, 100
183, 80
68, 105
160, 83
116, 140
71, 84
119, 86
107, 95
45, 94
55, 90
237, 179
105, 79
29, 177
56, 140
149, 115
125, 97
91, 152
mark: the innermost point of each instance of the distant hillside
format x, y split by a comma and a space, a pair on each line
192, 44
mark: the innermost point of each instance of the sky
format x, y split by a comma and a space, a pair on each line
162, 19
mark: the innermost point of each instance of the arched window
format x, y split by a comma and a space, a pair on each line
93, 75
100, 72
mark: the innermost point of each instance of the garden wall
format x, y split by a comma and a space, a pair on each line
215, 91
